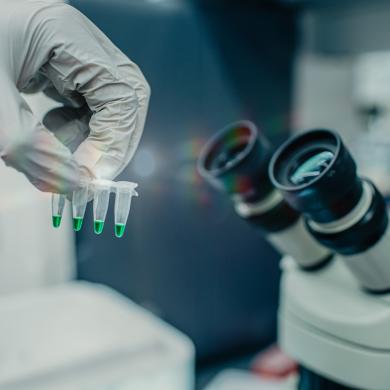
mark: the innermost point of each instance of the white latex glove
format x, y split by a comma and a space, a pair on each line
45, 44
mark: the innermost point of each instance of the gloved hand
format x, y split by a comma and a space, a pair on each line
50, 46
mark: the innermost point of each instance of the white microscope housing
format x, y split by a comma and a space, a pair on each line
333, 327
335, 321
332, 225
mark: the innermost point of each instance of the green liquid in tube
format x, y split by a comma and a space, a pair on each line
98, 226
77, 223
57, 220
120, 229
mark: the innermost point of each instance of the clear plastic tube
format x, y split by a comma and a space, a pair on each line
57, 209
102, 189
79, 204
124, 191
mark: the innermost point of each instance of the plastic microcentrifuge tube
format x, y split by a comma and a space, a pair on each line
124, 191
79, 204
57, 208
101, 199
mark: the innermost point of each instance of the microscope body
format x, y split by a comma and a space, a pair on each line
333, 228
334, 328
336, 321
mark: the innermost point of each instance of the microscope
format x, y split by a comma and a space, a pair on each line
331, 226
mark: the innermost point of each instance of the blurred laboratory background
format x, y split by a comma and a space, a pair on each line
186, 256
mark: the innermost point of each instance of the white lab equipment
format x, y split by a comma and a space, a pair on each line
233, 379
338, 334
82, 336
337, 330
372, 98
325, 321
32, 254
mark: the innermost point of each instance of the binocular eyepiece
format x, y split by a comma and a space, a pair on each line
236, 161
307, 198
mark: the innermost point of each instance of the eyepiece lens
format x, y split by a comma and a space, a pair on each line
311, 167
227, 156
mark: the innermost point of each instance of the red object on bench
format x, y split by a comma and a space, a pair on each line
274, 363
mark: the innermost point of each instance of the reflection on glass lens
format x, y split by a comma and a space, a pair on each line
311, 168
227, 156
